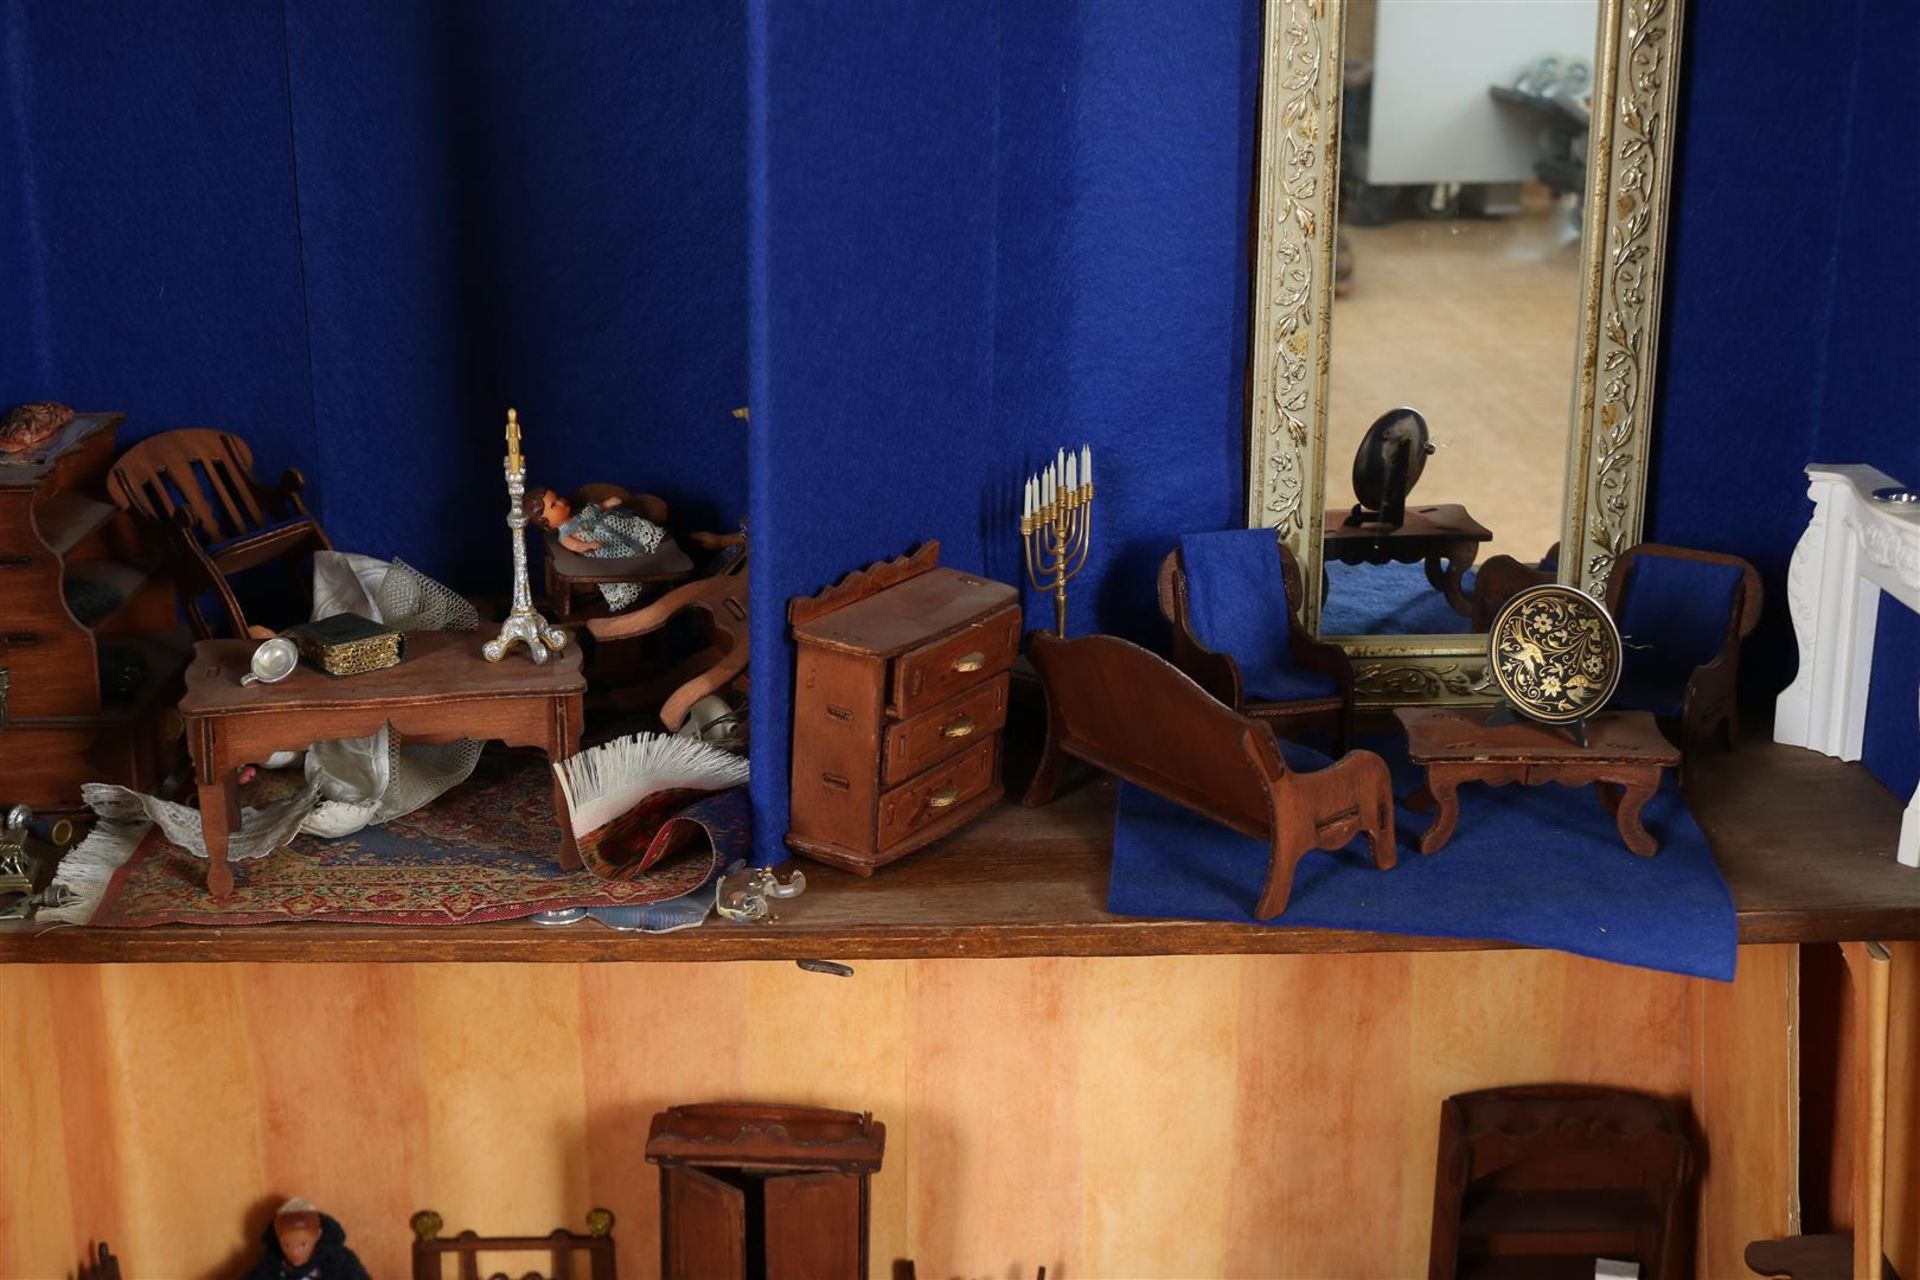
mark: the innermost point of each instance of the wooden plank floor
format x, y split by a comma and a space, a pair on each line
1806, 844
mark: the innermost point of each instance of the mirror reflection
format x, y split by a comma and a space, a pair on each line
1456, 306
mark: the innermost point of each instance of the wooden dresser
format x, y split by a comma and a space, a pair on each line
899, 702
91, 649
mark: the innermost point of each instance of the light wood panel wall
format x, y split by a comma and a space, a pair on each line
1258, 1116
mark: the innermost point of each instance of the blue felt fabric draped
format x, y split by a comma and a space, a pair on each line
1238, 604
1541, 866
356, 233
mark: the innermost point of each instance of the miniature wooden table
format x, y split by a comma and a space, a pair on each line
1430, 535
443, 689
1625, 753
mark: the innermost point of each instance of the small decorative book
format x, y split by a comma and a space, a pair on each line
347, 644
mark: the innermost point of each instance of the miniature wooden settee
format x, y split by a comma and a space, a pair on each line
1120, 708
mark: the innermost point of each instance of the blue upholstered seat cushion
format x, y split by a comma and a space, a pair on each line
1674, 616
1237, 603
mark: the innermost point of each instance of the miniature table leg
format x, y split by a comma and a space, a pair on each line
219, 818
563, 742
1443, 790
1459, 558
1625, 802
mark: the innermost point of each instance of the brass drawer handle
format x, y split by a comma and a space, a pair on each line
970, 662
944, 797
958, 728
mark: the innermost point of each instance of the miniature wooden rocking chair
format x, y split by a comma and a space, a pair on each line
219, 518
1137, 716
722, 600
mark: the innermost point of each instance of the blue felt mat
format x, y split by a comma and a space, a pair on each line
1543, 866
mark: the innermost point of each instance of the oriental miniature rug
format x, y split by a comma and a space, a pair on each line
1539, 866
480, 853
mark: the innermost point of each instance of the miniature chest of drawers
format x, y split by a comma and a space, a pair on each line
900, 697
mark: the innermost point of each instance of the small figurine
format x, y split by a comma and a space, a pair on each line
604, 530
303, 1243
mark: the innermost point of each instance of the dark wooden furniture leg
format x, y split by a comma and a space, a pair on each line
564, 741
1443, 785
1625, 801
1459, 558
219, 819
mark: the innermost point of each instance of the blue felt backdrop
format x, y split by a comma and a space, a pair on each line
354, 231
357, 231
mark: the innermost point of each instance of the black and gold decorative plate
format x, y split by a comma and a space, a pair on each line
1555, 653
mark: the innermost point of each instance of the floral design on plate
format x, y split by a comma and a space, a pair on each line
1555, 653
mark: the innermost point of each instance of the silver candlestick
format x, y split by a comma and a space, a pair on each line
524, 624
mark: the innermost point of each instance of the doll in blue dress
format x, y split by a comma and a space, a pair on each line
604, 530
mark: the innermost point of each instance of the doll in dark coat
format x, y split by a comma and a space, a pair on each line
304, 1244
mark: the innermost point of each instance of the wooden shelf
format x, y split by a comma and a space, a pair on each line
67, 518
1806, 843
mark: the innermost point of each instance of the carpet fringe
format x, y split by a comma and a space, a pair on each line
604, 782
87, 868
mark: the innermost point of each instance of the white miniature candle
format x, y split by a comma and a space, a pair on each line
1073, 472
1086, 465
1060, 464
1026, 499
1046, 492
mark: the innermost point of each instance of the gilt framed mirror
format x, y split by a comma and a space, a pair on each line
1461, 213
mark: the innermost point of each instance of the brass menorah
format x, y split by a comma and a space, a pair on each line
1056, 524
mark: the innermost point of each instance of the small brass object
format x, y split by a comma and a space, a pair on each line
970, 662
944, 797
959, 728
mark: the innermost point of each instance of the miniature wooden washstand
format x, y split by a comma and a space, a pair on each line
1539, 1180
900, 697
445, 689
772, 1191
1625, 755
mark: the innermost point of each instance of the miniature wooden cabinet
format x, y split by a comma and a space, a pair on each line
900, 698
90, 649
1541, 1180
772, 1191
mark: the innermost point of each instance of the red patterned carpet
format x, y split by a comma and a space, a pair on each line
482, 852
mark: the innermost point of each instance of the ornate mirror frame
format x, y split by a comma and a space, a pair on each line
1629, 172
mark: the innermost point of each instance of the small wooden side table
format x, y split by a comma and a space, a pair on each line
1624, 755
443, 689
1443, 537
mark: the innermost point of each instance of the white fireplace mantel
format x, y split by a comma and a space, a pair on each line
1854, 549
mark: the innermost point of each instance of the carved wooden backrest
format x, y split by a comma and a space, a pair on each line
1137, 716
206, 474
563, 1249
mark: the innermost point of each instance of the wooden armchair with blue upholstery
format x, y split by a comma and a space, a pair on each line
1233, 599
1682, 616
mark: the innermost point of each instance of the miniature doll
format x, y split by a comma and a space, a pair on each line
303, 1243
604, 530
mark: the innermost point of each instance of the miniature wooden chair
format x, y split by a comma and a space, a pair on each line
1682, 616
721, 600
1238, 634
1122, 709
560, 1246
219, 519
570, 571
